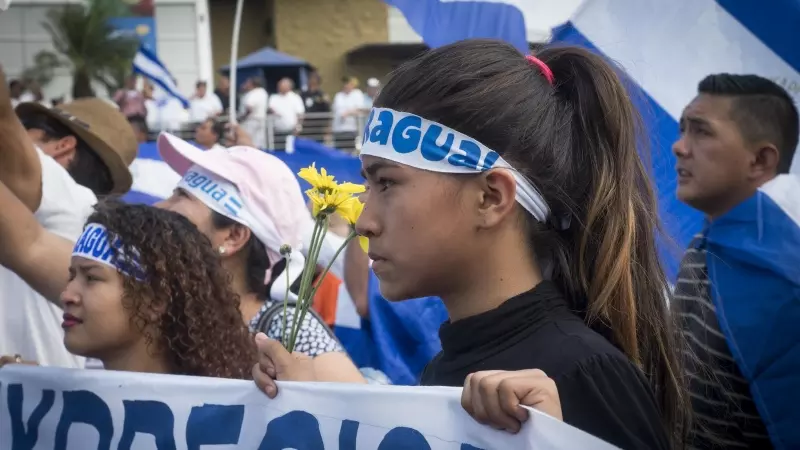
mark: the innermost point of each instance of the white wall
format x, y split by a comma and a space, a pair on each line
182, 32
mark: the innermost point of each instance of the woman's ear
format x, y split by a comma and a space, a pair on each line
236, 237
498, 197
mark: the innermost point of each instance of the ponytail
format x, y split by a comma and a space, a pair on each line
568, 126
610, 260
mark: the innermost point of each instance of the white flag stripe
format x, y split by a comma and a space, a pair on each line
668, 47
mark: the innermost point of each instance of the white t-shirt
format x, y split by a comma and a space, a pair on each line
345, 102
201, 108
29, 324
287, 108
256, 100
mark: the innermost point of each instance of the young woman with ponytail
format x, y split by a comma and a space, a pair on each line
512, 188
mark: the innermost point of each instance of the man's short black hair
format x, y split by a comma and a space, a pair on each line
200, 83
218, 127
762, 109
86, 168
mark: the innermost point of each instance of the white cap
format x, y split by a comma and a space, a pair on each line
373, 82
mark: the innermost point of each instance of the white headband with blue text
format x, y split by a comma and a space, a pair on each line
417, 142
223, 197
95, 244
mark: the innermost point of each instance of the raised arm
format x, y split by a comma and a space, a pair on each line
38, 256
20, 170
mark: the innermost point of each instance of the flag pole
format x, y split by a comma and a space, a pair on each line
237, 23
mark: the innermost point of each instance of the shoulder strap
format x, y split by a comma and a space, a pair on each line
269, 314
263, 322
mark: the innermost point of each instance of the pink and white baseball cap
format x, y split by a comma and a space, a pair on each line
245, 184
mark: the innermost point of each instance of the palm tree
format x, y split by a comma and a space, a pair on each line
82, 33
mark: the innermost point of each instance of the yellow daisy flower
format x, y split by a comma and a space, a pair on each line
329, 202
351, 188
352, 211
320, 181
363, 241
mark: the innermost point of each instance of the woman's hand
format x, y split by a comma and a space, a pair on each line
276, 363
494, 397
16, 359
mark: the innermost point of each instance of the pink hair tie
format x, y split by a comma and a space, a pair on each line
548, 74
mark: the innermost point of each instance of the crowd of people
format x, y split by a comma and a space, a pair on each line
269, 118
509, 186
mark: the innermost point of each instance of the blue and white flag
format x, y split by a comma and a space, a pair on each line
666, 48
148, 65
754, 269
442, 22
47, 408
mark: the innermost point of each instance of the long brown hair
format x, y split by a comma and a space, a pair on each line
579, 141
200, 330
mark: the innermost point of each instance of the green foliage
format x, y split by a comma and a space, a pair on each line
82, 34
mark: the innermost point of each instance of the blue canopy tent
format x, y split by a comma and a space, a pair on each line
271, 65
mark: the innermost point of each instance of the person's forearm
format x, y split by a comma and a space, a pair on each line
20, 169
39, 257
336, 367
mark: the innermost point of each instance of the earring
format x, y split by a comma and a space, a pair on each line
221, 250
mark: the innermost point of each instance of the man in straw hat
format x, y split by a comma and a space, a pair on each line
57, 162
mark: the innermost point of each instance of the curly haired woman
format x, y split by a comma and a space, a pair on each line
147, 293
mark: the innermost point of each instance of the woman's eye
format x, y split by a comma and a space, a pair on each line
385, 183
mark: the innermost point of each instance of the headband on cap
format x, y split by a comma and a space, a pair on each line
216, 193
416, 142
96, 244
224, 197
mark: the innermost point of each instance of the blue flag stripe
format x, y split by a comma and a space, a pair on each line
441, 23
775, 22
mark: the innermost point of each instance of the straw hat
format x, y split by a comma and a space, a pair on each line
102, 127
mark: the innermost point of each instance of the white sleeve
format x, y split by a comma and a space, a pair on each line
248, 100
217, 103
65, 204
337, 107
300, 108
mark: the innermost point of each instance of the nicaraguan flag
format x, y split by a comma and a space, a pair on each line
441, 22
667, 47
148, 65
754, 269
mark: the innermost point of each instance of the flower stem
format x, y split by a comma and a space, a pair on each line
304, 301
286, 298
330, 264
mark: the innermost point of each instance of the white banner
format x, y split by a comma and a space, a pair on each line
64, 409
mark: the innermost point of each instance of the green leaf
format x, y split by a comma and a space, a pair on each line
82, 35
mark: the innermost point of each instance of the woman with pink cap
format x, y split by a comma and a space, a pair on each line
250, 206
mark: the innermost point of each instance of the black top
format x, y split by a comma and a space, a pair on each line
315, 101
724, 414
601, 391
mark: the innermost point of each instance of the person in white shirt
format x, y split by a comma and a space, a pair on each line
373, 88
57, 168
254, 111
208, 134
347, 105
287, 111
203, 105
